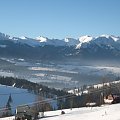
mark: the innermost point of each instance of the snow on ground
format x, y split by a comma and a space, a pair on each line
50, 69
105, 84
107, 112
8, 118
6, 74
77, 91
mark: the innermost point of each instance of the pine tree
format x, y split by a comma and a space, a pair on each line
10, 99
8, 106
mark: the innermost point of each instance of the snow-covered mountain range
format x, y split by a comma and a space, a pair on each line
108, 45
82, 41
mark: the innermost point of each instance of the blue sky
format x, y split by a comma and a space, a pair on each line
59, 18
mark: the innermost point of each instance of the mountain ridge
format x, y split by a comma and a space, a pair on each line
41, 41
104, 46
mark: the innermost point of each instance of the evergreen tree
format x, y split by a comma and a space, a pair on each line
10, 99
8, 106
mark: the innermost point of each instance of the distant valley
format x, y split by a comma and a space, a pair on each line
58, 74
63, 63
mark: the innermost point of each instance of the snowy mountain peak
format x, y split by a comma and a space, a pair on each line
23, 37
81, 42
106, 36
85, 38
41, 39
115, 38
71, 41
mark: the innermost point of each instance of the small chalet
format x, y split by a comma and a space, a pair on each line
112, 99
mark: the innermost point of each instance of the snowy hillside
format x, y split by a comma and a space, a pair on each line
108, 112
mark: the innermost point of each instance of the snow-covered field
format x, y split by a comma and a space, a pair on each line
108, 112
8, 118
19, 96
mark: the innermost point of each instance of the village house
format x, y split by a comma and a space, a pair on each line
112, 99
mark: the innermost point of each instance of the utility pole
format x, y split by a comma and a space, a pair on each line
103, 91
101, 98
